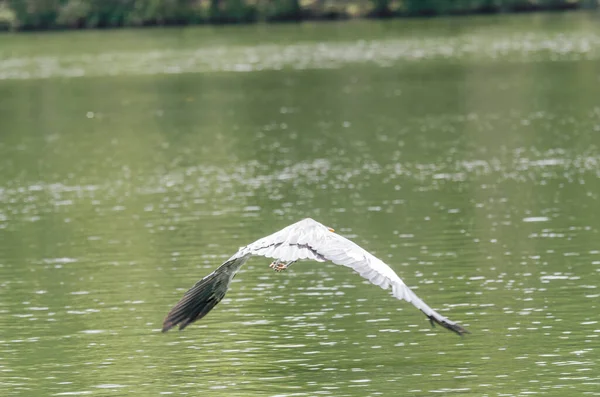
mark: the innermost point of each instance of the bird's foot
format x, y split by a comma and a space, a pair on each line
280, 266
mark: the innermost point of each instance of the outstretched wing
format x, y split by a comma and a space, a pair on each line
309, 239
204, 295
342, 251
288, 244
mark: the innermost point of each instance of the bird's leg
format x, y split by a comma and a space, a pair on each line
288, 264
280, 266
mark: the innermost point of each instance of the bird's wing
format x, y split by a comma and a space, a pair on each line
342, 251
204, 295
309, 239
288, 244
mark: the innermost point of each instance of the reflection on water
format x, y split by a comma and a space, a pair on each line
477, 183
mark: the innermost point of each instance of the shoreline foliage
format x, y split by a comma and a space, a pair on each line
24, 15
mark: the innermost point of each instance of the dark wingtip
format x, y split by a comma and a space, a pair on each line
448, 325
168, 324
197, 301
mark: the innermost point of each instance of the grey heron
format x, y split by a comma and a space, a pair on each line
306, 239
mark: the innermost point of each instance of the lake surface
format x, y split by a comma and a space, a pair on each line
464, 152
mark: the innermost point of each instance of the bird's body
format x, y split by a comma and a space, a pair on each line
306, 239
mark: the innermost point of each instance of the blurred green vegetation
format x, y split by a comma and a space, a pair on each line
75, 14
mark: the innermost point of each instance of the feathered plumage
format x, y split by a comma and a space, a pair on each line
307, 239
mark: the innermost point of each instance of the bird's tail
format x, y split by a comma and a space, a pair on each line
198, 300
401, 291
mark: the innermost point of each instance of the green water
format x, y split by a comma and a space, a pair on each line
463, 152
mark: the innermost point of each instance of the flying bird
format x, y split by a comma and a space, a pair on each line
306, 239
